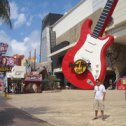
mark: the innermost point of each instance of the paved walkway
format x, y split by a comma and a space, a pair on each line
72, 107
11, 116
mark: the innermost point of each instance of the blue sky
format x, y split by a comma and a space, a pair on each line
26, 16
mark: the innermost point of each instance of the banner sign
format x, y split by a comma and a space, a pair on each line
3, 48
5, 69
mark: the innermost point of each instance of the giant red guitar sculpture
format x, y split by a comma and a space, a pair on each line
85, 62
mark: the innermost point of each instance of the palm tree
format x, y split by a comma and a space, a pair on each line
5, 12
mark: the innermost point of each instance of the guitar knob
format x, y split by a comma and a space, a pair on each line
90, 82
97, 66
97, 71
96, 76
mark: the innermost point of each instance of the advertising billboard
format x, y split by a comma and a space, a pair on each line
6, 63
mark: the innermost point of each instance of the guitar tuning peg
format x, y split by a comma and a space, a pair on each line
89, 64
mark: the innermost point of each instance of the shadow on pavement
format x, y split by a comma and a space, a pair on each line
106, 116
36, 110
39, 110
10, 116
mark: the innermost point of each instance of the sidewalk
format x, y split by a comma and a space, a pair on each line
72, 107
11, 116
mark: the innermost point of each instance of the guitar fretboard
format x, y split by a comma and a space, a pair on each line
104, 18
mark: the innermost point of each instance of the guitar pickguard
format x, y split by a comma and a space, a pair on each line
91, 52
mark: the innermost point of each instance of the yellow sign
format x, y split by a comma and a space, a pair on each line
4, 69
80, 66
123, 81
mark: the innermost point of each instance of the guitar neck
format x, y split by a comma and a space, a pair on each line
104, 18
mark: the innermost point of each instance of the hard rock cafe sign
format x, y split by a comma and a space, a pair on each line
80, 66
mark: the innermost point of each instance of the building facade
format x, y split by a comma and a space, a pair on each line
67, 30
47, 38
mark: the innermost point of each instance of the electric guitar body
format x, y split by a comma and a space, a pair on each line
86, 61
90, 50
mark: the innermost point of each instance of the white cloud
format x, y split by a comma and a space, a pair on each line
28, 44
18, 47
21, 19
13, 10
5, 39
18, 18
32, 41
28, 23
26, 39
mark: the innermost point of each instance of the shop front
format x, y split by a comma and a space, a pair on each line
32, 83
15, 79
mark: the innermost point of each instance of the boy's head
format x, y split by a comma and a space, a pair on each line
98, 81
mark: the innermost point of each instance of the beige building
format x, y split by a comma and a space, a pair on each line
67, 29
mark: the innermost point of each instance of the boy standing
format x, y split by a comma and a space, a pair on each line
99, 94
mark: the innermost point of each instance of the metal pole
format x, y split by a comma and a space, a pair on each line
34, 59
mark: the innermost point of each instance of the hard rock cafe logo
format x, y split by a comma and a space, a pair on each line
80, 66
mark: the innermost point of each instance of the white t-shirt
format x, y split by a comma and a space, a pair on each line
99, 90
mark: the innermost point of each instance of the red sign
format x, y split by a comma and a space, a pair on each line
121, 84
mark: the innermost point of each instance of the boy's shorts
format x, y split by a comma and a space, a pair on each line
99, 105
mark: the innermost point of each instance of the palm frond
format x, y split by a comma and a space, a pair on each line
5, 12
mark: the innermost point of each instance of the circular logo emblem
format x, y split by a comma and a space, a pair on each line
80, 66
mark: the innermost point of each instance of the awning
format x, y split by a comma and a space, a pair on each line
33, 78
61, 50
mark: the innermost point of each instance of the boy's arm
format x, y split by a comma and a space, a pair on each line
94, 94
104, 93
